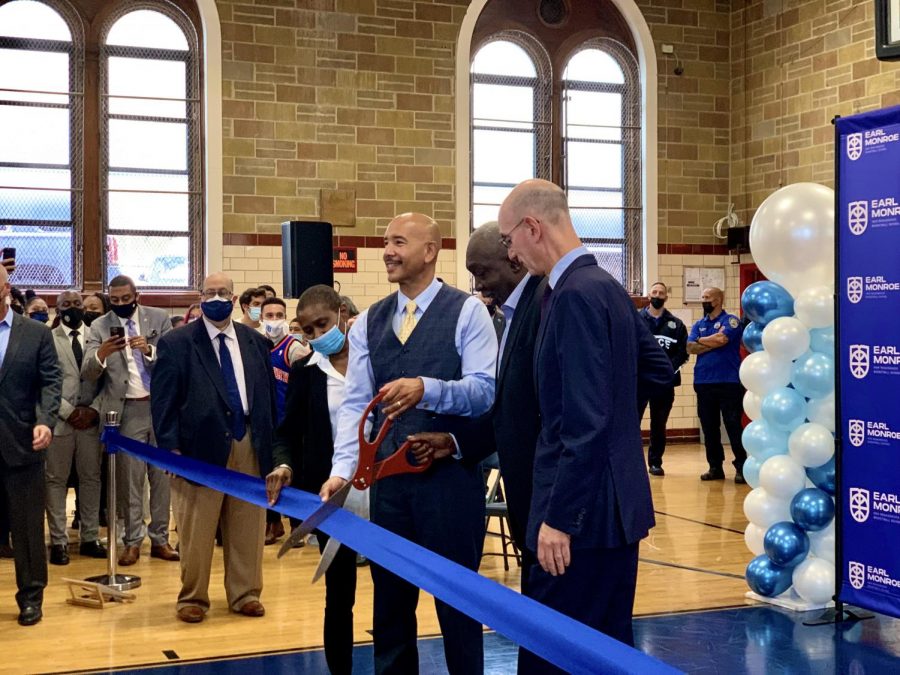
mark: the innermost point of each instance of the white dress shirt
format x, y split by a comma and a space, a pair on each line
234, 349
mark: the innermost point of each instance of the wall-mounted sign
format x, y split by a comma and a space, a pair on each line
344, 259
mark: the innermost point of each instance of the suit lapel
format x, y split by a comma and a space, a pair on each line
203, 347
64, 345
516, 328
12, 346
246, 347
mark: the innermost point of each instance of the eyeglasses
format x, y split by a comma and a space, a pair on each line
211, 293
506, 239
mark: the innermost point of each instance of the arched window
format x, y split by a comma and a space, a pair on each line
41, 114
89, 190
150, 159
562, 80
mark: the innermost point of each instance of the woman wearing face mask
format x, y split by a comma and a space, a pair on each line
304, 445
37, 310
286, 350
95, 306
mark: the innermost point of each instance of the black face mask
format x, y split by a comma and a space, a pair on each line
657, 302
89, 317
125, 311
72, 317
707, 308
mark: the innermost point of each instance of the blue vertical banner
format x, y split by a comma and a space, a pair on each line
868, 350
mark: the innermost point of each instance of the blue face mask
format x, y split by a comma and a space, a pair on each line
254, 312
330, 343
40, 316
217, 309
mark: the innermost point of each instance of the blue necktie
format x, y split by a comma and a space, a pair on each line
138, 356
238, 426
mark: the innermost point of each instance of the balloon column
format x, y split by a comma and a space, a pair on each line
789, 377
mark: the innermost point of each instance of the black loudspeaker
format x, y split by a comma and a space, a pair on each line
306, 256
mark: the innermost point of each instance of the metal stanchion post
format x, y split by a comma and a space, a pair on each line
119, 582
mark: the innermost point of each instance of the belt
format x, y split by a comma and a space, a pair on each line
135, 400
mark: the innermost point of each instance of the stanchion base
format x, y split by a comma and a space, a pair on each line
120, 582
846, 615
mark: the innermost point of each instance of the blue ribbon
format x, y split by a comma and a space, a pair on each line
567, 643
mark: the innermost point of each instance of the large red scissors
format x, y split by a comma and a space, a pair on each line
368, 471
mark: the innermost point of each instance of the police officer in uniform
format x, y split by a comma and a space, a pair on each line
716, 340
671, 334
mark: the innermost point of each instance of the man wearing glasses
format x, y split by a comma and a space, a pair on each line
214, 400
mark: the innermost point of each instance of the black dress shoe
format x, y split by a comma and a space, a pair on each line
657, 471
739, 478
92, 549
30, 615
59, 555
713, 474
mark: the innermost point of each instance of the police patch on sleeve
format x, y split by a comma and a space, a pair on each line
671, 324
733, 322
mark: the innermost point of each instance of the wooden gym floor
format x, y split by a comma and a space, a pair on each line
693, 559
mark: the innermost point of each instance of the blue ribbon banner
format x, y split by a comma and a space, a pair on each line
569, 644
868, 351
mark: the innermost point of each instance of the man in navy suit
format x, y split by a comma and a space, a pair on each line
591, 501
213, 399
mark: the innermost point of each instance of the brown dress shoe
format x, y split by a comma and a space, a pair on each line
274, 532
164, 552
130, 555
191, 614
252, 608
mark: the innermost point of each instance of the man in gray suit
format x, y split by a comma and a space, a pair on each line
75, 439
29, 399
121, 353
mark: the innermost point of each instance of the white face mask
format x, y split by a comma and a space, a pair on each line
275, 330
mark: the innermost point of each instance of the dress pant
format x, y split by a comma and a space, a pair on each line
596, 589
198, 511
660, 407
25, 500
727, 399
130, 473
442, 510
340, 596
82, 447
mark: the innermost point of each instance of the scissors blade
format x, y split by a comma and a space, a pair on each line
318, 516
331, 549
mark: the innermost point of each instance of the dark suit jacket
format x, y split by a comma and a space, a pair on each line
189, 401
304, 440
30, 390
512, 426
592, 349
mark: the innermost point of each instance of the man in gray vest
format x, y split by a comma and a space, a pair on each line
121, 352
432, 350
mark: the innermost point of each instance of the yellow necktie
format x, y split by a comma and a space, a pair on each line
409, 322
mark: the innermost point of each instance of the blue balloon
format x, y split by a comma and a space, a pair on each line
761, 440
752, 337
766, 578
813, 375
786, 544
823, 476
822, 340
751, 471
812, 509
766, 300
784, 409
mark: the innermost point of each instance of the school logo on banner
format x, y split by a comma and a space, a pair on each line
859, 504
854, 146
854, 289
859, 361
857, 575
858, 216
856, 432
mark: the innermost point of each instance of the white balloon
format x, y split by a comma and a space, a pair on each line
821, 411
753, 537
782, 477
815, 306
811, 444
761, 373
821, 544
792, 236
785, 338
752, 405
814, 580
764, 510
